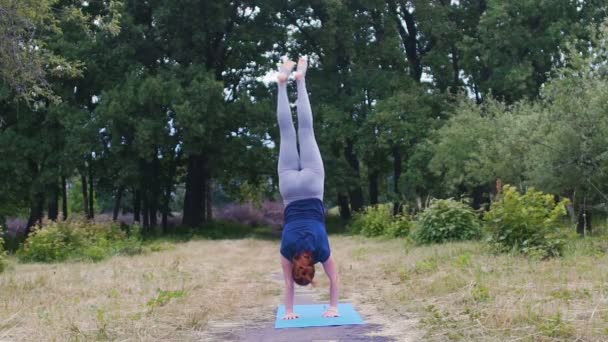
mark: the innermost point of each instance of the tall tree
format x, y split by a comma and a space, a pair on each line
223, 39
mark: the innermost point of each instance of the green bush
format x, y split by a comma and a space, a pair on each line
379, 220
53, 243
447, 220
528, 223
2, 252
60, 241
400, 226
94, 253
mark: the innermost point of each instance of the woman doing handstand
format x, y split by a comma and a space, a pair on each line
301, 176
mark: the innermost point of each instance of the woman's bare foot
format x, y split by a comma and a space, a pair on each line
285, 70
302, 66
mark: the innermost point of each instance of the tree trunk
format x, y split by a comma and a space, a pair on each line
153, 211
85, 197
356, 199
145, 212
343, 205
36, 212
478, 198
167, 191
208, 200
409, 37
154, 187
204, 204
355, 192
583, 226
117, 201
53, 211
166, 204
165, 214
91, 194
136, 205
397, 158
373, 187
194, 197
64, 198
455, 70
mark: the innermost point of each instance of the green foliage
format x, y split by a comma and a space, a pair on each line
2, 252
515, 28
60, 241
378, 220
555, 326
75, 201
528, 223
480, 293
466, 151
447, 220
251, 193
164, 297
146, 91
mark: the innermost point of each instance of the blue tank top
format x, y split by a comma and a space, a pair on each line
304, 230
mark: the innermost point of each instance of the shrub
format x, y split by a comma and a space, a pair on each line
54, 243
528, 223
94, 253
2, 252
60, 241
379, 220
267, 213
447, 220
400, 226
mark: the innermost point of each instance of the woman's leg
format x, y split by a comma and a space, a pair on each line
289, 160
288, 151
310, 156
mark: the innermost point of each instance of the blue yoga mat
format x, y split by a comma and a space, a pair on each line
312, 316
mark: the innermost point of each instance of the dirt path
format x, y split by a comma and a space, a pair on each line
265, 331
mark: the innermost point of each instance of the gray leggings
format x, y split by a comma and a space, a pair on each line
300, 176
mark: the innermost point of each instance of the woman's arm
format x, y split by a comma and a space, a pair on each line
286, 265
332, 273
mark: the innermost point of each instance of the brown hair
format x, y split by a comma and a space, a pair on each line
303, 270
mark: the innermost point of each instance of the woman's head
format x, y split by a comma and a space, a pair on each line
303, 270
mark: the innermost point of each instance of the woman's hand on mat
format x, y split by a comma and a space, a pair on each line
291, 315
331, 312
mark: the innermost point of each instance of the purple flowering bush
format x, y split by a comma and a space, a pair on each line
269, 213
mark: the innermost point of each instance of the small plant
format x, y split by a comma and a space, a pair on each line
480, 293
164, 297
555, 326
528, 223
378, 220
427, 265
102, 324
463, 261
447, 220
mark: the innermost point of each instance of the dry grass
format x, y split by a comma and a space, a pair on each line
457, 291
461, 291
119, 299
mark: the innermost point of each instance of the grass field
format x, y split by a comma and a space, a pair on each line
456, 291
